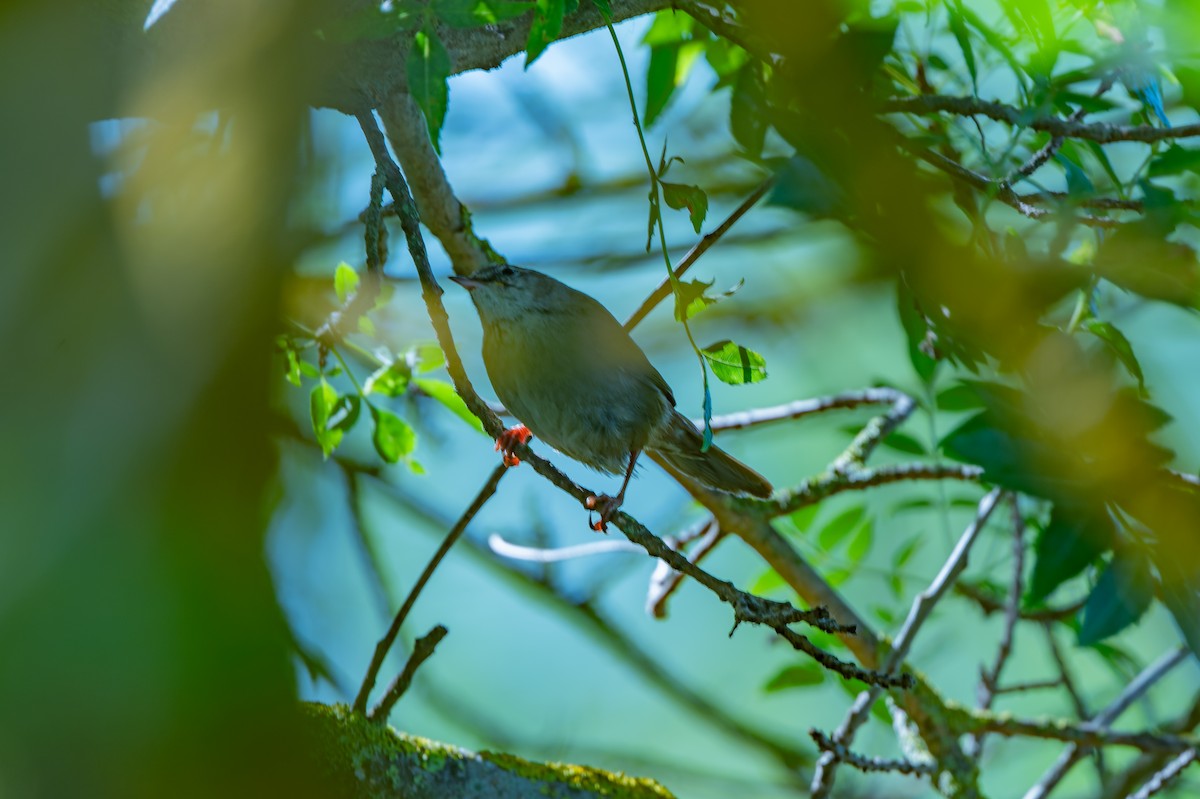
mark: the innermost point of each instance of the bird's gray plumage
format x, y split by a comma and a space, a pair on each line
568, 371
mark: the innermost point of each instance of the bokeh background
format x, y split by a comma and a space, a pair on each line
549, 163
144, 419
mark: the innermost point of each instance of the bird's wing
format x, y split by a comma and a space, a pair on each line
615, 349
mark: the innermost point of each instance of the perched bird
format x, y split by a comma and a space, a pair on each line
570, 373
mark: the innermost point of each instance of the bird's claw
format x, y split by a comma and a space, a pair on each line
509, 440
606, 506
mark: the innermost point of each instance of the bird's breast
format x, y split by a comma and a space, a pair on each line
589, 407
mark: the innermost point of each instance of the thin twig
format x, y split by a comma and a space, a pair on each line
385, 644
865, 763
1026, 687
1137, 772
925, 602
989, 679
591, 620
1081, 709
1094, 733
813, 491
1185, 479
873, 433
1056, 142
1080, 736
1057, 126
806, 407
344, 318
507, 549
422, 649
988, 603
922, 606
1000, 190
664, 288
665, 580
1164, 777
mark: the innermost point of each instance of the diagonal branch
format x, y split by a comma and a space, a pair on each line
1096, 729
385, 644
747, 607
922, 606
1022, 118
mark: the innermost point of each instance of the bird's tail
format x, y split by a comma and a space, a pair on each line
679, 444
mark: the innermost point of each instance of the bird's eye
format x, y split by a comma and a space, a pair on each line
507, 272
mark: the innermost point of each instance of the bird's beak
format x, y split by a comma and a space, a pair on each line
466, 282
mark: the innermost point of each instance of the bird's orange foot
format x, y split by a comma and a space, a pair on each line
606, 506
509, 440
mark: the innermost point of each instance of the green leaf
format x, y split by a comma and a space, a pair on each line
1174, 160
735, 364
394, 438
1072, 540
344, 413
766, 583
391, 379
916, 330
428, 70
900, 442
546, 26
1021, 459
860, 544
309, 370
321, 403
799, 675
748, 109
660, 80
840, 526
691, 297
1079, 185
444, 393
693, 198
477, 13
906, 551
345, 281
802, 186
725, 57
1182, 598
292, 367
1119, 599
884, 614
1120, 347
959, 397
371, 22
669, 27
959, 28
426, 356
655, 212
805, 516
835, 577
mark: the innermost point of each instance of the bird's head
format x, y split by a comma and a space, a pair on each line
502, 292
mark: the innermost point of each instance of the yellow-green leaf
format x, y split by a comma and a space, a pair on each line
735, 364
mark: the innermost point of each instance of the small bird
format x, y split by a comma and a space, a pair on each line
569, 372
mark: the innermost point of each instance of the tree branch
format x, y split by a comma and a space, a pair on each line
1164, 777
1094, 733
868, 764
385, 644
422, 650
922, 606
1021, 118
